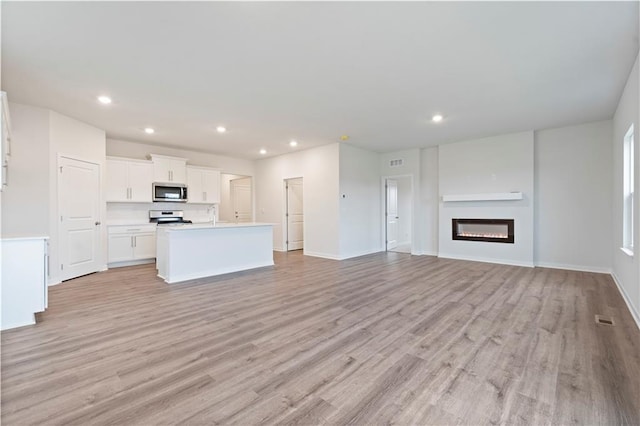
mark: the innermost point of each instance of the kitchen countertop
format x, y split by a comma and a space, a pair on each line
209, 225
24, 237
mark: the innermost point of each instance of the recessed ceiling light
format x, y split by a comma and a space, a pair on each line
437, 118
293, 143
263, 151
221, 129
104, 100
149, 130
344, 137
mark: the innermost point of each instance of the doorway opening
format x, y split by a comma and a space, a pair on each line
399, 213
294, 215
236, 198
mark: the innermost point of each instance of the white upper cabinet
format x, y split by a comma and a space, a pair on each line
128, 180
169, 169
203, 185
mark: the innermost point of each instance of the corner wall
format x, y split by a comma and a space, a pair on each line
573, 186
360, 202
626, 268
319, 168
25, 208
74, 139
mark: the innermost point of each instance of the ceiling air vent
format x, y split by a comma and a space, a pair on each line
395, 163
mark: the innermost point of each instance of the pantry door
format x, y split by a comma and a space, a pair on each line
79, 211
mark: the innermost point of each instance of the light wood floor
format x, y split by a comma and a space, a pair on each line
383, 339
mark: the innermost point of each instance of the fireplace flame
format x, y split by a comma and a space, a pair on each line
482, 235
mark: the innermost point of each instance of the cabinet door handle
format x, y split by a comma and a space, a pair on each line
131, 241
204, 196
135, 241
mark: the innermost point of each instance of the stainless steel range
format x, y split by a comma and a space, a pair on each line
167, 217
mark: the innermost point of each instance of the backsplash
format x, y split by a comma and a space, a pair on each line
136, 213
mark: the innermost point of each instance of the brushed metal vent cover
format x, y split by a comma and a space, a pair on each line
601, 319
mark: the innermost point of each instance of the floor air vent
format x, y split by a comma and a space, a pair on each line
601, 319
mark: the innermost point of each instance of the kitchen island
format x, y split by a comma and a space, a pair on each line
191, 251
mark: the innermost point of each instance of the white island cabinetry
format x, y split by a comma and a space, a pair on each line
189, 252
24, 280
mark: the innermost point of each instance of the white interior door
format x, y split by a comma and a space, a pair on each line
392, 214
79, 208
241, 199
295, 215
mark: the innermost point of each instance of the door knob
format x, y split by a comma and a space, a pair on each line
97, 223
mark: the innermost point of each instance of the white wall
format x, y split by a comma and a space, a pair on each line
410, 167
626, 268
319, 168
120, 148
72, 138
495, 164
573, 186
429, 202
360, 202
25, 208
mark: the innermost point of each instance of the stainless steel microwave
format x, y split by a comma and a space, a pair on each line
169, 192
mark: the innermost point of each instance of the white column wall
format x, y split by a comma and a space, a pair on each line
359, 202
319, 168
573, 203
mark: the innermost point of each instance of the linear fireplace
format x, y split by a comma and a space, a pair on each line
488, 230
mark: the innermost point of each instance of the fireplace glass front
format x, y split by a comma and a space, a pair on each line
487, 230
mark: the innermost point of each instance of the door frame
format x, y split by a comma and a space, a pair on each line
58, 231
383, 190
232, 198
285, 211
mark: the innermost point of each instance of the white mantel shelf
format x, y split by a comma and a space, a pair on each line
492, 196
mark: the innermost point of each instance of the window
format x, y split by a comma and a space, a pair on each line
627, 192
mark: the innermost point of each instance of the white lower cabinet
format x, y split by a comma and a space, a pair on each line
24, 280
131, 243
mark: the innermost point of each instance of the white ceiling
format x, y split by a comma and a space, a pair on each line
271, 72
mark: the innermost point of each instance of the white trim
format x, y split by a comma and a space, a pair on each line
130, 263
627, 251
427, 253
493, 196
486, 260
358, 254
414, 236
579, 268
634, 314
321, 255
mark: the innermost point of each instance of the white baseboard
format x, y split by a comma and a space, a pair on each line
130, 263
634, 314
53, 282
486, 260
579, 268
322, 255
427, 253
358, 254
